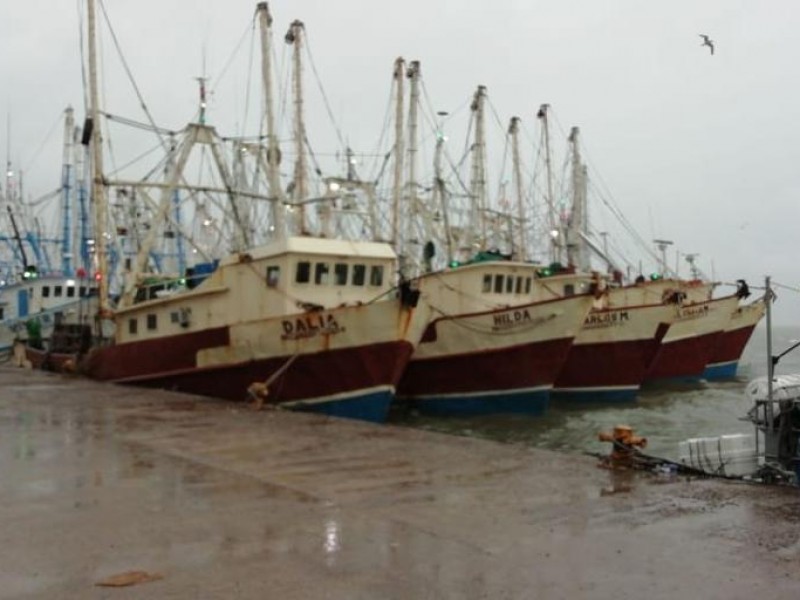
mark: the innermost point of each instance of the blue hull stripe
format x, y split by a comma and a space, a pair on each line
726, 370
530, 402
610, 394
364, 405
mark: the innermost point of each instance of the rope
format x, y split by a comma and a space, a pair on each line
324, 96
43, 144
779, 285
250, 79
83, 58
224, 71
130, 77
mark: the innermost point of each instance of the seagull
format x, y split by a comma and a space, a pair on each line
707, 42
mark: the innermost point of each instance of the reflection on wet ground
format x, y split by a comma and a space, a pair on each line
226, 503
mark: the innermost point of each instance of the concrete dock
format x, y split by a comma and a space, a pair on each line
224, 502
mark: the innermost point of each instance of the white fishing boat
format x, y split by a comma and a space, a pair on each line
316, 322
488, 348
301, 321
34, 304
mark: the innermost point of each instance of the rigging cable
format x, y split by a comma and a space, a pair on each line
324, 96
130, 77
248, 84
83, 57
43, 144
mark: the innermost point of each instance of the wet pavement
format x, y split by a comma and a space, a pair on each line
224, 502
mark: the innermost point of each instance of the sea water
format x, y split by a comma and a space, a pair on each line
665, 415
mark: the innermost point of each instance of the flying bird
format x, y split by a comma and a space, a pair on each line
707, 42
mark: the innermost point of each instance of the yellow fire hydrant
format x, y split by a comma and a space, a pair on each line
625, 444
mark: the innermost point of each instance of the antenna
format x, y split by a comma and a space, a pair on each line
201, 80
690, 258
662, 245
203, 104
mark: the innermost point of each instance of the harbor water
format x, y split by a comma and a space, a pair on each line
664, 415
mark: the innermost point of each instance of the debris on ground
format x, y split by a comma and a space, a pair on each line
129, 578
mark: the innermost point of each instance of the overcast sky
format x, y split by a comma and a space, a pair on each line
697, 149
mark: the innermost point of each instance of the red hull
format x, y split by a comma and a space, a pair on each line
731, 344
170, 364
609, 364
683, 358
150, 357
518, 367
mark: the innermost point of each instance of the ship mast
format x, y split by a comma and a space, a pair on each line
300, 188
66, 191
439, 189
412, 207
521, 250
399, 151
556, 230
273, 150
83, 233
98, 187
577, 253
478, 175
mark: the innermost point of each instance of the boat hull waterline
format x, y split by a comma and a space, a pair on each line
691, 340
501, 361
724, 363
331, 372
610, 356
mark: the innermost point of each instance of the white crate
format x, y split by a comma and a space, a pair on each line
733, 454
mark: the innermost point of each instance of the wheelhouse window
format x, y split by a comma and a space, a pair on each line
321, 273
46, 291
303, 274
569, 290
70, 291
340, 273
57, 291
527, 285
82, 291
152, 322
133, 326
376, 275
509, 284
498, 284
273, 276
359, 274
487, 284
518, 289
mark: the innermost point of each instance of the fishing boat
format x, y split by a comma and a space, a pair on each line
692, 338
611, 354
298, 321
36, 292
724, 362
31, 305
488, 348
312, 323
